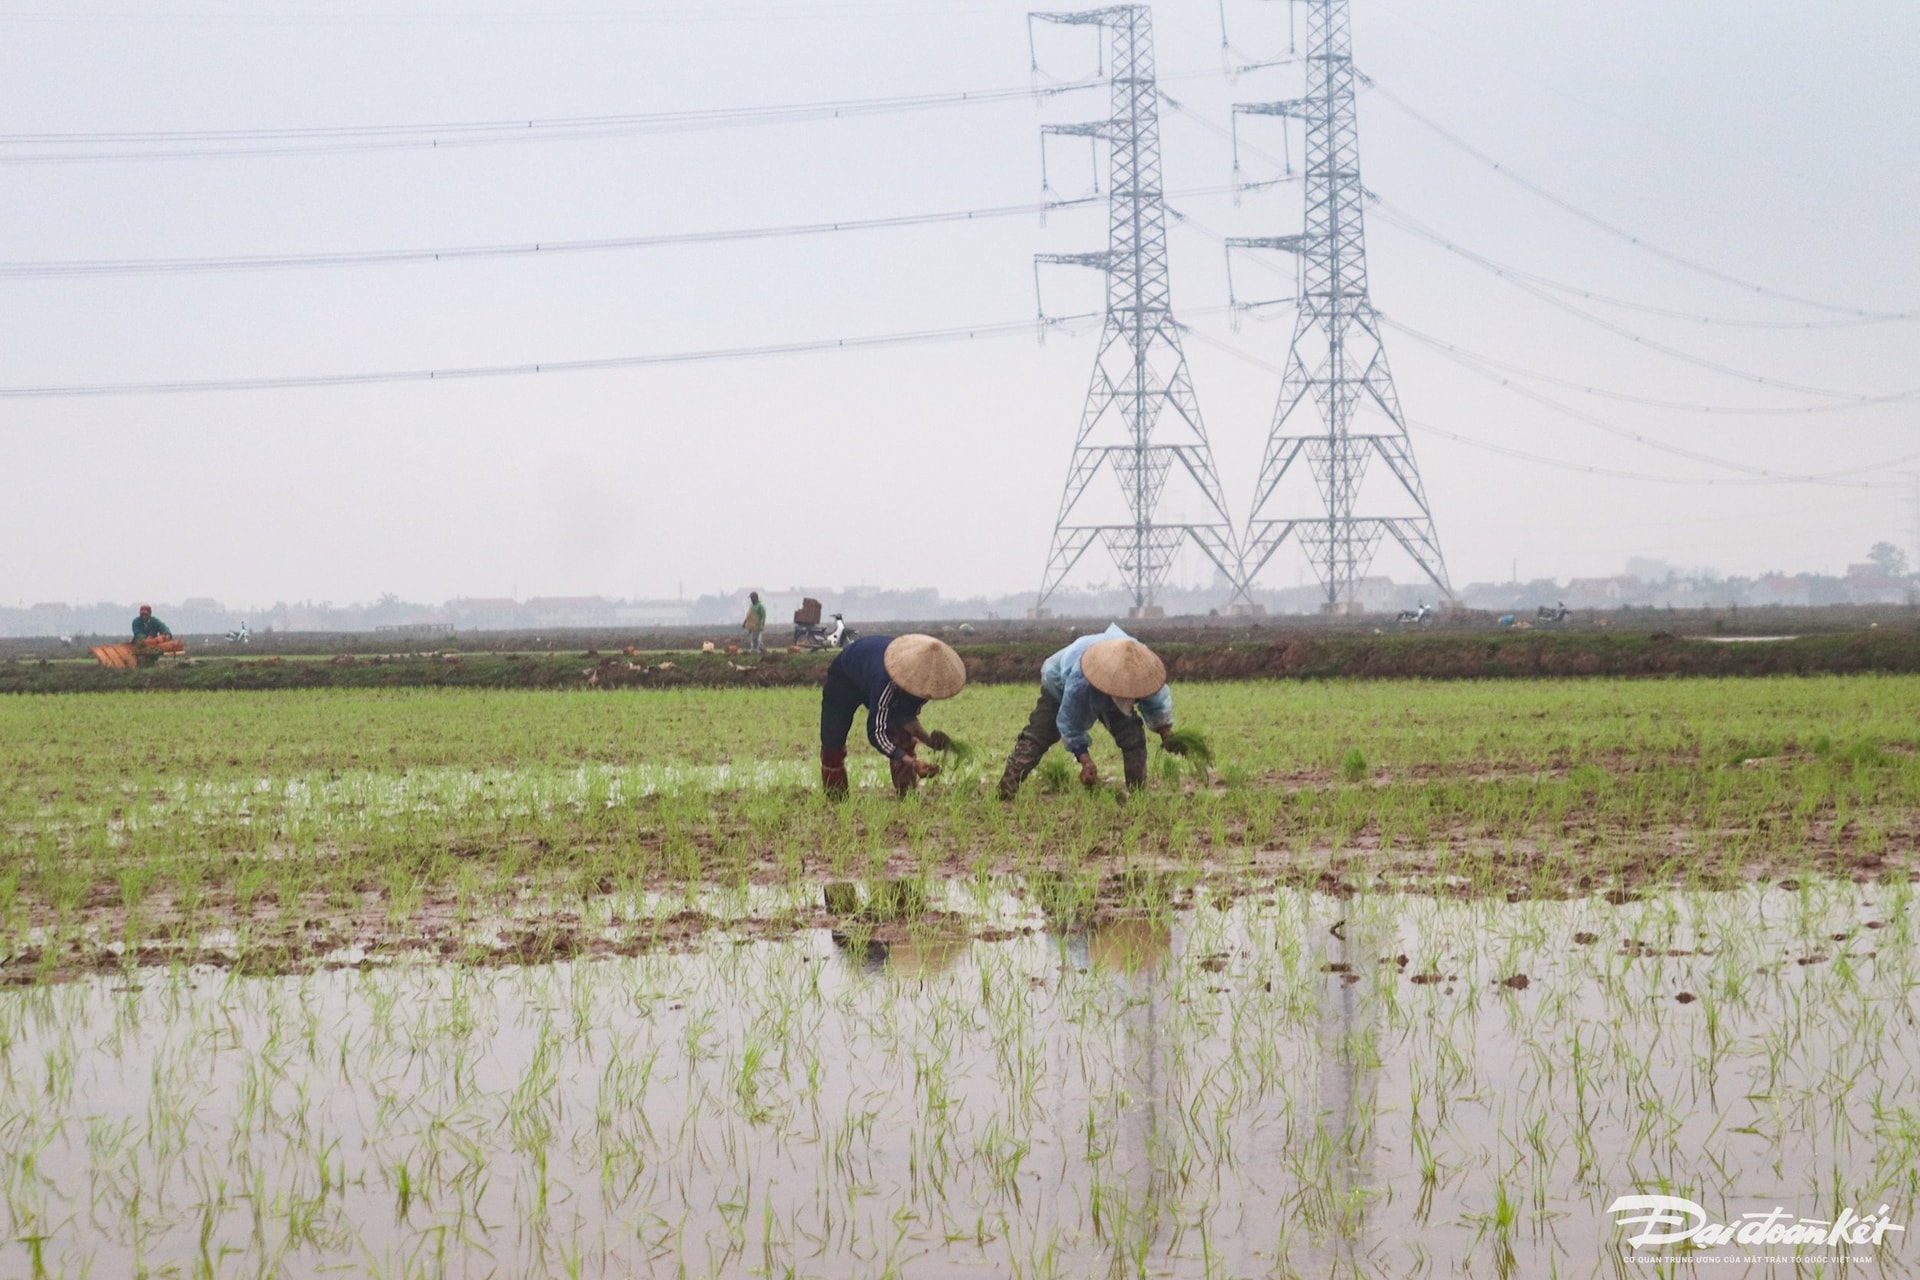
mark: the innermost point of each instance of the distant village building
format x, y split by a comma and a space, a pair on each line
50, 619
570, 611
1870, 584
1376, 594
656, 613
1603, 593
485, 613
1780, 590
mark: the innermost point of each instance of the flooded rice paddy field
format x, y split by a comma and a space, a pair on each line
1416, 980
1283, 1083
268, 831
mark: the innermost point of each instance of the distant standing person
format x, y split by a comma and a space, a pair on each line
893, 677
148, 627
755, 623
1111, 679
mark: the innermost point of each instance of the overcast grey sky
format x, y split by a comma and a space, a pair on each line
1777, 142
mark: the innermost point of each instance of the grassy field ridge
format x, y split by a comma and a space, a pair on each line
1532, 654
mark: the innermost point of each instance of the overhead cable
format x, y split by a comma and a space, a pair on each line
338, 139
69, 267
1693, 455
1699, 361
1400, 218
706, 11
381, 257
1718, 410
204, 144
1617, 473
1618, 232
965, 333
1772, 478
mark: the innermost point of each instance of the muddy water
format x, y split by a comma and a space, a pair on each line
1253, 1086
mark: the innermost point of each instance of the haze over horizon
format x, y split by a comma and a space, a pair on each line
1769, 143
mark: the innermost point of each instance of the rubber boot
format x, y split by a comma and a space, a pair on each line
1028, 750
833, 772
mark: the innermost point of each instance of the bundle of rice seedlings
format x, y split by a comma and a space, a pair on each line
958, 753
1054, 774
1353, 766
1190, 743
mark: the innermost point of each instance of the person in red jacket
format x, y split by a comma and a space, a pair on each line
148, 627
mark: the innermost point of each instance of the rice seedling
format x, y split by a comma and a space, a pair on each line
1053, 775
1190, 743
958, 752
1353, 765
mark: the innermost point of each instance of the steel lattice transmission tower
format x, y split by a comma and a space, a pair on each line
1338, 409
1142, 419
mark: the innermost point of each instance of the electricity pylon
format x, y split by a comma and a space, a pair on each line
1338, 409
1140, 381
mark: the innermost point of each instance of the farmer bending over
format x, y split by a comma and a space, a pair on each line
148, 627
1110, 678
892, 677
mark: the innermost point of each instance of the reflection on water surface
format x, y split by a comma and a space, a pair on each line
1377, 1085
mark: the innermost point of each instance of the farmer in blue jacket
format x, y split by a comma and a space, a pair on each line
893, 677
1110, 678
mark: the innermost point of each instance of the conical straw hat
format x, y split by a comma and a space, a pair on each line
1123, 668
925, 667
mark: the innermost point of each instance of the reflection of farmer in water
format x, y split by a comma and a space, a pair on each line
1111, 679
893, 929
918, 952
893, 678
1129, 945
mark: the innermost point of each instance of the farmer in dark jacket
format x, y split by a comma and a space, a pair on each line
1110, 679
148, 627
893, 678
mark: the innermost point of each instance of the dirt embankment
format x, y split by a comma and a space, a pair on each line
1527, 655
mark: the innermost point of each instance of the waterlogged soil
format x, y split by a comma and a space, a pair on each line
1019, 1081
547, 916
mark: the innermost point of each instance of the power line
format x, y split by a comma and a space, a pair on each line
1533, 284
84, 267
342, 139
1612, 229
1693, 455
1702, 362
1617, 473
381, 257
348, 139
964, 333
1398, 217
1630, 398
1553, 85
1588, 468
557, 17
